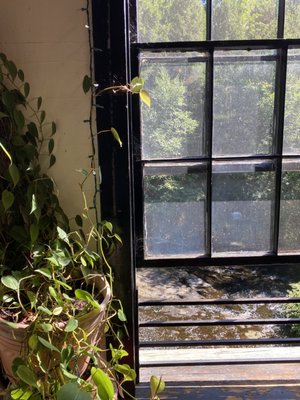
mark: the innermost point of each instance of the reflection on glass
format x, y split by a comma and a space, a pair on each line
291, 137
289, 231
250, 19
242, 200
171, 20
173, 126
174, 210
292, 19
243, 102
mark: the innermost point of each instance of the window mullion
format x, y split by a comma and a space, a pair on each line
280, 85
281, 18
208, 19
209, 130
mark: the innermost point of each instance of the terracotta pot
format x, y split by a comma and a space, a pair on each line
13, 340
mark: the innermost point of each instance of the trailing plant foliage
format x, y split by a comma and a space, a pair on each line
54, 284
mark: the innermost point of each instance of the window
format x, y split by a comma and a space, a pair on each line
218, 157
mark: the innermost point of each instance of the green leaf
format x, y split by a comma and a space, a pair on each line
21, 75
86, 296
9, 100
33, 129
43, 116
137, 84
66, 354
19, 119
32, 298
12, 69
116, 136
156, 385
26, 89
128, 373
62, 235
47, 344
108, 225
121, 315
86, 83
53, 128
34, 205
3, 58
71, 391
14, 173
10, 282
104, 384
57, 310
46, 327
34, 232
72, 324
144, 96
33, 341
7, 199
50, 146
20, 394
44, 271
39, 102
79, 221
44, 310
27, 375
52, 160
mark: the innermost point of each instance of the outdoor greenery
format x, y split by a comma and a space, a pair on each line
244, 108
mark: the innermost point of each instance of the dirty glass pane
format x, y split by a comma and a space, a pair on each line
292, 19
171, 20
289, 228
237, 19
173, 126
291, 136
242, 206
174, 210
243, 103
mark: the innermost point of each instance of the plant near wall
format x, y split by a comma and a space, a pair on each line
56, 289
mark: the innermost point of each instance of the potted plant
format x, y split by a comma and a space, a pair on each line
55, 290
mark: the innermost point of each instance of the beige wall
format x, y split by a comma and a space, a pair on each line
49, 41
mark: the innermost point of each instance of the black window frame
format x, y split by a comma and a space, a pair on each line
281, 46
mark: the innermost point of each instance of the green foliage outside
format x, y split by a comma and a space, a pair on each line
292, 310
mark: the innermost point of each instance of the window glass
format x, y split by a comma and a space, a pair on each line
289, 232
171, 20
291, 137
174, 210
292, 19
242, 206
244, 19
243, 102
173, 126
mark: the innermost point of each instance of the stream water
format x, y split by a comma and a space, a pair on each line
219, 283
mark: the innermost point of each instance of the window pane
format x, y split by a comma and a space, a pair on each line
243, 102
171, 20
174, 210
242, 200
292, 19
291, 138
173, 125
289, 232
250, 19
